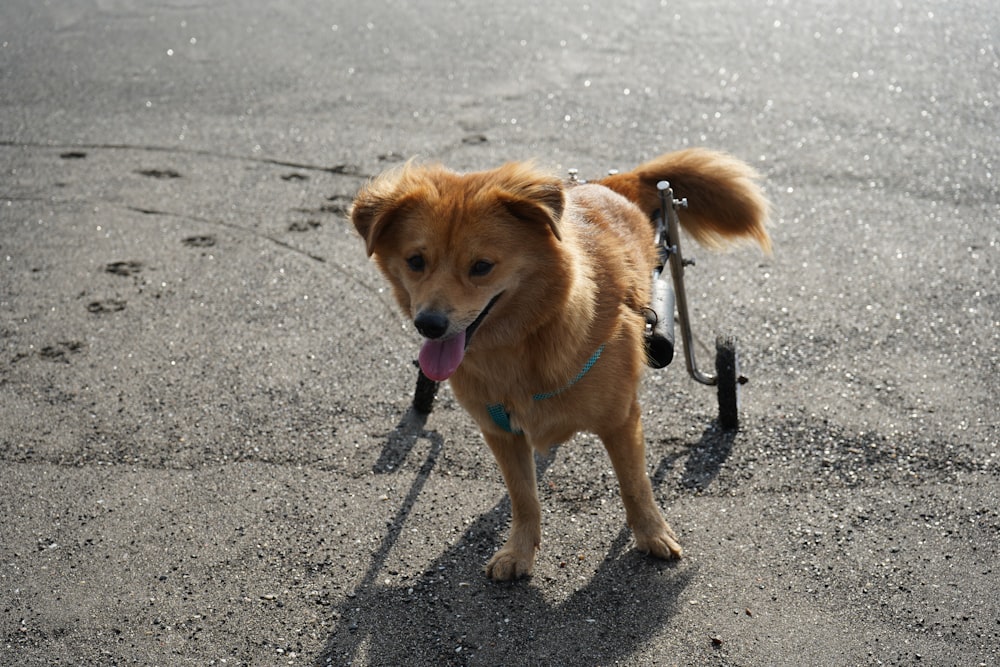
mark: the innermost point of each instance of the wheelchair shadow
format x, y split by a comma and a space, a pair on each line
451, 614
706, 457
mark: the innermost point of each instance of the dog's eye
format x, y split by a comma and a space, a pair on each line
481, 268
416, 263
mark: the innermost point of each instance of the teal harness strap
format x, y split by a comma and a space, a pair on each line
579, 376
500, 415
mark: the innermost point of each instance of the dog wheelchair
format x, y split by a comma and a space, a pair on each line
667, 297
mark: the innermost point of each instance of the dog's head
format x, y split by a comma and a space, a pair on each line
463, 253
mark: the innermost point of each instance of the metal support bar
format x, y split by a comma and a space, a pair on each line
672, 244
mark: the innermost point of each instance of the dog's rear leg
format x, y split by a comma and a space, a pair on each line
517, 464
627, 451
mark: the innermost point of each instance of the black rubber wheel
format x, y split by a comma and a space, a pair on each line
727, 371
423, 397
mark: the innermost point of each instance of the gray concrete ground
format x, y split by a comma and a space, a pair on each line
206, 452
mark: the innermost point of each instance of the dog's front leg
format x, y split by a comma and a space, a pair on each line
517, 464
627, 451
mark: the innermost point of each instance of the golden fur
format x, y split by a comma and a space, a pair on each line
560, 270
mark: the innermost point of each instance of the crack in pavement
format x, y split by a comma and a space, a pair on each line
283, 244
267, 237
343, 169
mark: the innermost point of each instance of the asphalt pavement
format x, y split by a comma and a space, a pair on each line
206, 453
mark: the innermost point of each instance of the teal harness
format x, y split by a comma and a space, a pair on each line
500, 415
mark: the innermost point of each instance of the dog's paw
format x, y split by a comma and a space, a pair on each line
508, 564
659, 541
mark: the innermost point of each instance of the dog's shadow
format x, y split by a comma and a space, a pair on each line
451, 614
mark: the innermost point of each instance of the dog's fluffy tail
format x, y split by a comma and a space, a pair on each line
725, 204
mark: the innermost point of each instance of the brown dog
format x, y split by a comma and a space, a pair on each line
529, 293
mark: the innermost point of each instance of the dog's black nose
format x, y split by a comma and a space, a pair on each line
431, 324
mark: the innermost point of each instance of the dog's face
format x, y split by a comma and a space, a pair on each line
459, 250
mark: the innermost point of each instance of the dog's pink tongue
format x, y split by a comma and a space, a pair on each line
439, 359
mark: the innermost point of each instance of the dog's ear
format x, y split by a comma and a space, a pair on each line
377, 205
533, 196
